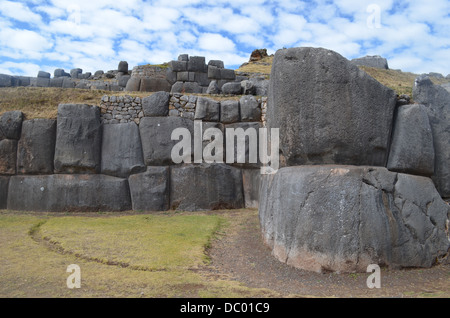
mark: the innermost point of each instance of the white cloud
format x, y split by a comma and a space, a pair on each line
15, 68
17, 11
215, 42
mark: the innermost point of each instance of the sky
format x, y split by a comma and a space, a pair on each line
94, 35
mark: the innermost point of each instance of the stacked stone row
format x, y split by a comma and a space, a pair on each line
80, 163
121, 109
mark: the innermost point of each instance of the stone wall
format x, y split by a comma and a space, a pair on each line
363, 175
124, 109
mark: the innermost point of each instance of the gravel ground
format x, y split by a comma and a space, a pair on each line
241, 255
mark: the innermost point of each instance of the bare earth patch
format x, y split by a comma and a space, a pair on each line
241, 255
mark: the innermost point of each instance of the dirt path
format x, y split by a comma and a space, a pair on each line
241, 255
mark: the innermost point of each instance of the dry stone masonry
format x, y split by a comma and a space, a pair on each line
363, 178
335, 206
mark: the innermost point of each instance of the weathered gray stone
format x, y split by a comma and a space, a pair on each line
22, 81
123, 80
216, 63
43, 74
6, 80
59, 72
247, 87
261, 85
371, 61
250, 108
156, 138
232, 88
183, 57
149, 84
214, 72
75, 72
217, 186
412, 149
11, 125
343, 218
8, 156
58, 193
227, 74
201, 78
213, 88
39, 82
150, 190
156, 104
196, 64
133, 84
251, 179
229, 111
78, 139
36, 148
121, 150
56, 82
171, 76
68, 83
4, 182
192, 88
123, 67
207, 109
437, 102
98, 74
178, 66
347, 119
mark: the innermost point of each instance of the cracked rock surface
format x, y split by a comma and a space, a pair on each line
343, 218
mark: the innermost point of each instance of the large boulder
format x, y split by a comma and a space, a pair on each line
8, 156
437, 102
207, 109
121, 150
328, 111
343, 218
78, 139
250, 108
36, 148
412, 149
149, 84
62, 192
133, 84
123, 67
6, 80
150, 190
371, 61
11, 125
156, 139
217, 186
156, 104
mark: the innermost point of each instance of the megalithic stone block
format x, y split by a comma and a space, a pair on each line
78, 139
150, 190
206, 187
63, 192
8, 156
121, 150
328, 110
36, 148
156, 139
343, 218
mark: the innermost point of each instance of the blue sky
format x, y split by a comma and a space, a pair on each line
96, 34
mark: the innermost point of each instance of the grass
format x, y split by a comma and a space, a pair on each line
38, 102
263, 66
165, 253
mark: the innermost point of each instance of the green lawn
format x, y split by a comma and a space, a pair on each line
145, 255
